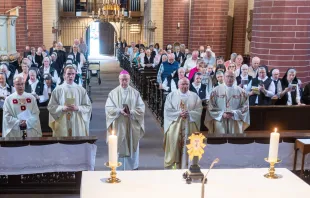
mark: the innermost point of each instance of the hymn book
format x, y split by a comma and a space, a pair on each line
69, 101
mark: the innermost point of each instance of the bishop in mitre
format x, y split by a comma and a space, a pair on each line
228, 109
69, 107
182, 115
20, 111
125, 117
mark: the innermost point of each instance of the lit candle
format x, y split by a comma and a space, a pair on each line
274, 146
112, 149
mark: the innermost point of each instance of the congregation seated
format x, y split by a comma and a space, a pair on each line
306, 94
201, 65
232, 59
54, 63
208, 58
253, 69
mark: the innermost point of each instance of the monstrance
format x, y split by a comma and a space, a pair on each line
195, 150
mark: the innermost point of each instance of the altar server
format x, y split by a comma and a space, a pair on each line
125, 116
181, 118
228, 111
69, 107
20, 110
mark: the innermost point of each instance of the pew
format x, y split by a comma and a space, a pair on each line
283, 117
39, 179
44, 120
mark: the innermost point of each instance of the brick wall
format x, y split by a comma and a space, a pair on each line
175, 11
30, 14
281, 35
239, 28
209, 25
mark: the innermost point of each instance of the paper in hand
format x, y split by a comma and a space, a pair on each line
25, 115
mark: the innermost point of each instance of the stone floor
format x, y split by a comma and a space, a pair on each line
151, 146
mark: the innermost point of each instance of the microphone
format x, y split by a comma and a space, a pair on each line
205, 177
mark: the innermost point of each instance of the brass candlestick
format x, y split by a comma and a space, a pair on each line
113, 179
272, 170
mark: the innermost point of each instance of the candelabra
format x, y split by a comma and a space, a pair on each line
110, 11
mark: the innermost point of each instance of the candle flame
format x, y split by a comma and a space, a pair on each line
112, 132
275, 130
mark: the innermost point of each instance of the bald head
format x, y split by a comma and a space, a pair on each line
183, 85
19, 85
255, 62
229, 78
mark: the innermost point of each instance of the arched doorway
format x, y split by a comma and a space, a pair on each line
106, 38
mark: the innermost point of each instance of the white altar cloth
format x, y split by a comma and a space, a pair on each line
250, 156
47, 158
222, 183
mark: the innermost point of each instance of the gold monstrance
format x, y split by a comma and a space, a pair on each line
195, 150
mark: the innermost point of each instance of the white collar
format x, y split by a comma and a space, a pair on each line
30, 82
72, 85
183, 94
196, 87
46, 68
244, 78
262, 79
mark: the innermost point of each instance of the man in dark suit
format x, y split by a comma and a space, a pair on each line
179, 56
53, 48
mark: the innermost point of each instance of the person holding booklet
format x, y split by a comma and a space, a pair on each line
124, 111
20, 111
228, 108
69, 107
289, 94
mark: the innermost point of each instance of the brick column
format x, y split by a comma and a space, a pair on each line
240, 23
175, 11
280, 35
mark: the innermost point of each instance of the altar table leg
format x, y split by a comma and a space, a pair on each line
295, 159
302, 165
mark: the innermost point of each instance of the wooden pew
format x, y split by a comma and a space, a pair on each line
283, 117
44, 120
45, 183
143, 80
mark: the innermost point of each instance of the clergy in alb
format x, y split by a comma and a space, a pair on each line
228, 110
125, 116
20, 110
181, 118
69, 108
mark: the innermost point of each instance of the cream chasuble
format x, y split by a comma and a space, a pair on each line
72, 123
128, 129
177, 129
18, 106
228, 99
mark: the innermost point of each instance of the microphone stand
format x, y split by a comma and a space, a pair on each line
204, 181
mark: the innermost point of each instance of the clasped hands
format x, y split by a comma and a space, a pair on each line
124, 113
227, 115
184, 114
23, 123
67, 108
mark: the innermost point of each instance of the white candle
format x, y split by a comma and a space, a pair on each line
112, 149
274, 146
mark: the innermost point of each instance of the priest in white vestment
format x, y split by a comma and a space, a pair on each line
182, 115
20, 110
69, 108
125, 116
228, 109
